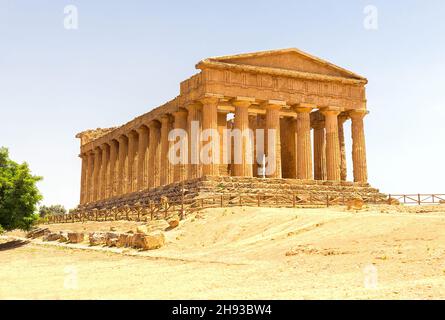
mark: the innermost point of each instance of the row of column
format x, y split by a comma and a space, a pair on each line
139, 160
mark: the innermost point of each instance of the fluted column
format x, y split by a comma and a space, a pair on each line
89, 177
273, 123
358, 146
319, 151
210, 166
341, 141
96, 173
194, 126
223, 154
304, 148
142, 155
253, 124
122, 177
332, 144
180, 169
154, 154
132, 152
165, 174
243, 164
112, 172
103, 194
83, 178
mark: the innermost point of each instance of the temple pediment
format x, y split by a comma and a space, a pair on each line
285, 59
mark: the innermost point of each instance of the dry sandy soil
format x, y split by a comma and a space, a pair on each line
244, 253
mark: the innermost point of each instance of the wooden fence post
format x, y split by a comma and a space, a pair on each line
259, 201
327, 200
418, 199
222, 201
293, 200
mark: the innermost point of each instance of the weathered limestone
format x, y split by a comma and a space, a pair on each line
142, 158
222, 125
273, 123
112, 178
319, 151
103, 175
180, 169
165, 172
154, 154
244, 167
122, 177
194, 116
341, 139
304, 149
96, 171
211, 144
286, 92
332, 144
358, 146
132, 164
83, 179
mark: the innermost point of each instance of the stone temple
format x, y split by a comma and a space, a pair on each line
304, 100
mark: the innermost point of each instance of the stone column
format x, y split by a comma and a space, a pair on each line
89, 179
243, 167
96, 172
319, 151
194, 143
222, 125
210, 167
83, 178
154, 154
121, 174
332, 144
341, 139
358, 146
180, 169
273, 108
132, 152
112, 185
253, 126
165, 174
304, 151
142, 155
103, 192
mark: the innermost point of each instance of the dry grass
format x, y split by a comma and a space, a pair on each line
246, 253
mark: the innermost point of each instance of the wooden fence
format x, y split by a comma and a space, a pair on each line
418, 199
155, 211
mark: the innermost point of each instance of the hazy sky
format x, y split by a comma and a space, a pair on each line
129, 56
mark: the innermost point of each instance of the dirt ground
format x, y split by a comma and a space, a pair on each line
244, 253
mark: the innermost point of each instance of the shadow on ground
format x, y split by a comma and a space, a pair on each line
12, 244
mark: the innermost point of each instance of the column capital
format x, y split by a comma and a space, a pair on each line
358, 114
180, 112
142, 129
330, 111
104, 146
273, 104
165, 119
132, 134
243, 102
122, 138
304, 107
154, 124
211, 98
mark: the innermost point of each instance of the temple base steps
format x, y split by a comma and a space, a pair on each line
232, 187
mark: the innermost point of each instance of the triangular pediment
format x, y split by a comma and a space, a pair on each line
288, 59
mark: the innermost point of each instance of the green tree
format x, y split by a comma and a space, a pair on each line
18, 194
53, 210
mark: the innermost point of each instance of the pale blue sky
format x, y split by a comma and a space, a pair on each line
129, 56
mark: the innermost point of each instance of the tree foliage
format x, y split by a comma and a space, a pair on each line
18, 194
53, 210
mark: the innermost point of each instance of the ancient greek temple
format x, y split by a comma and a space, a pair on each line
292, 92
